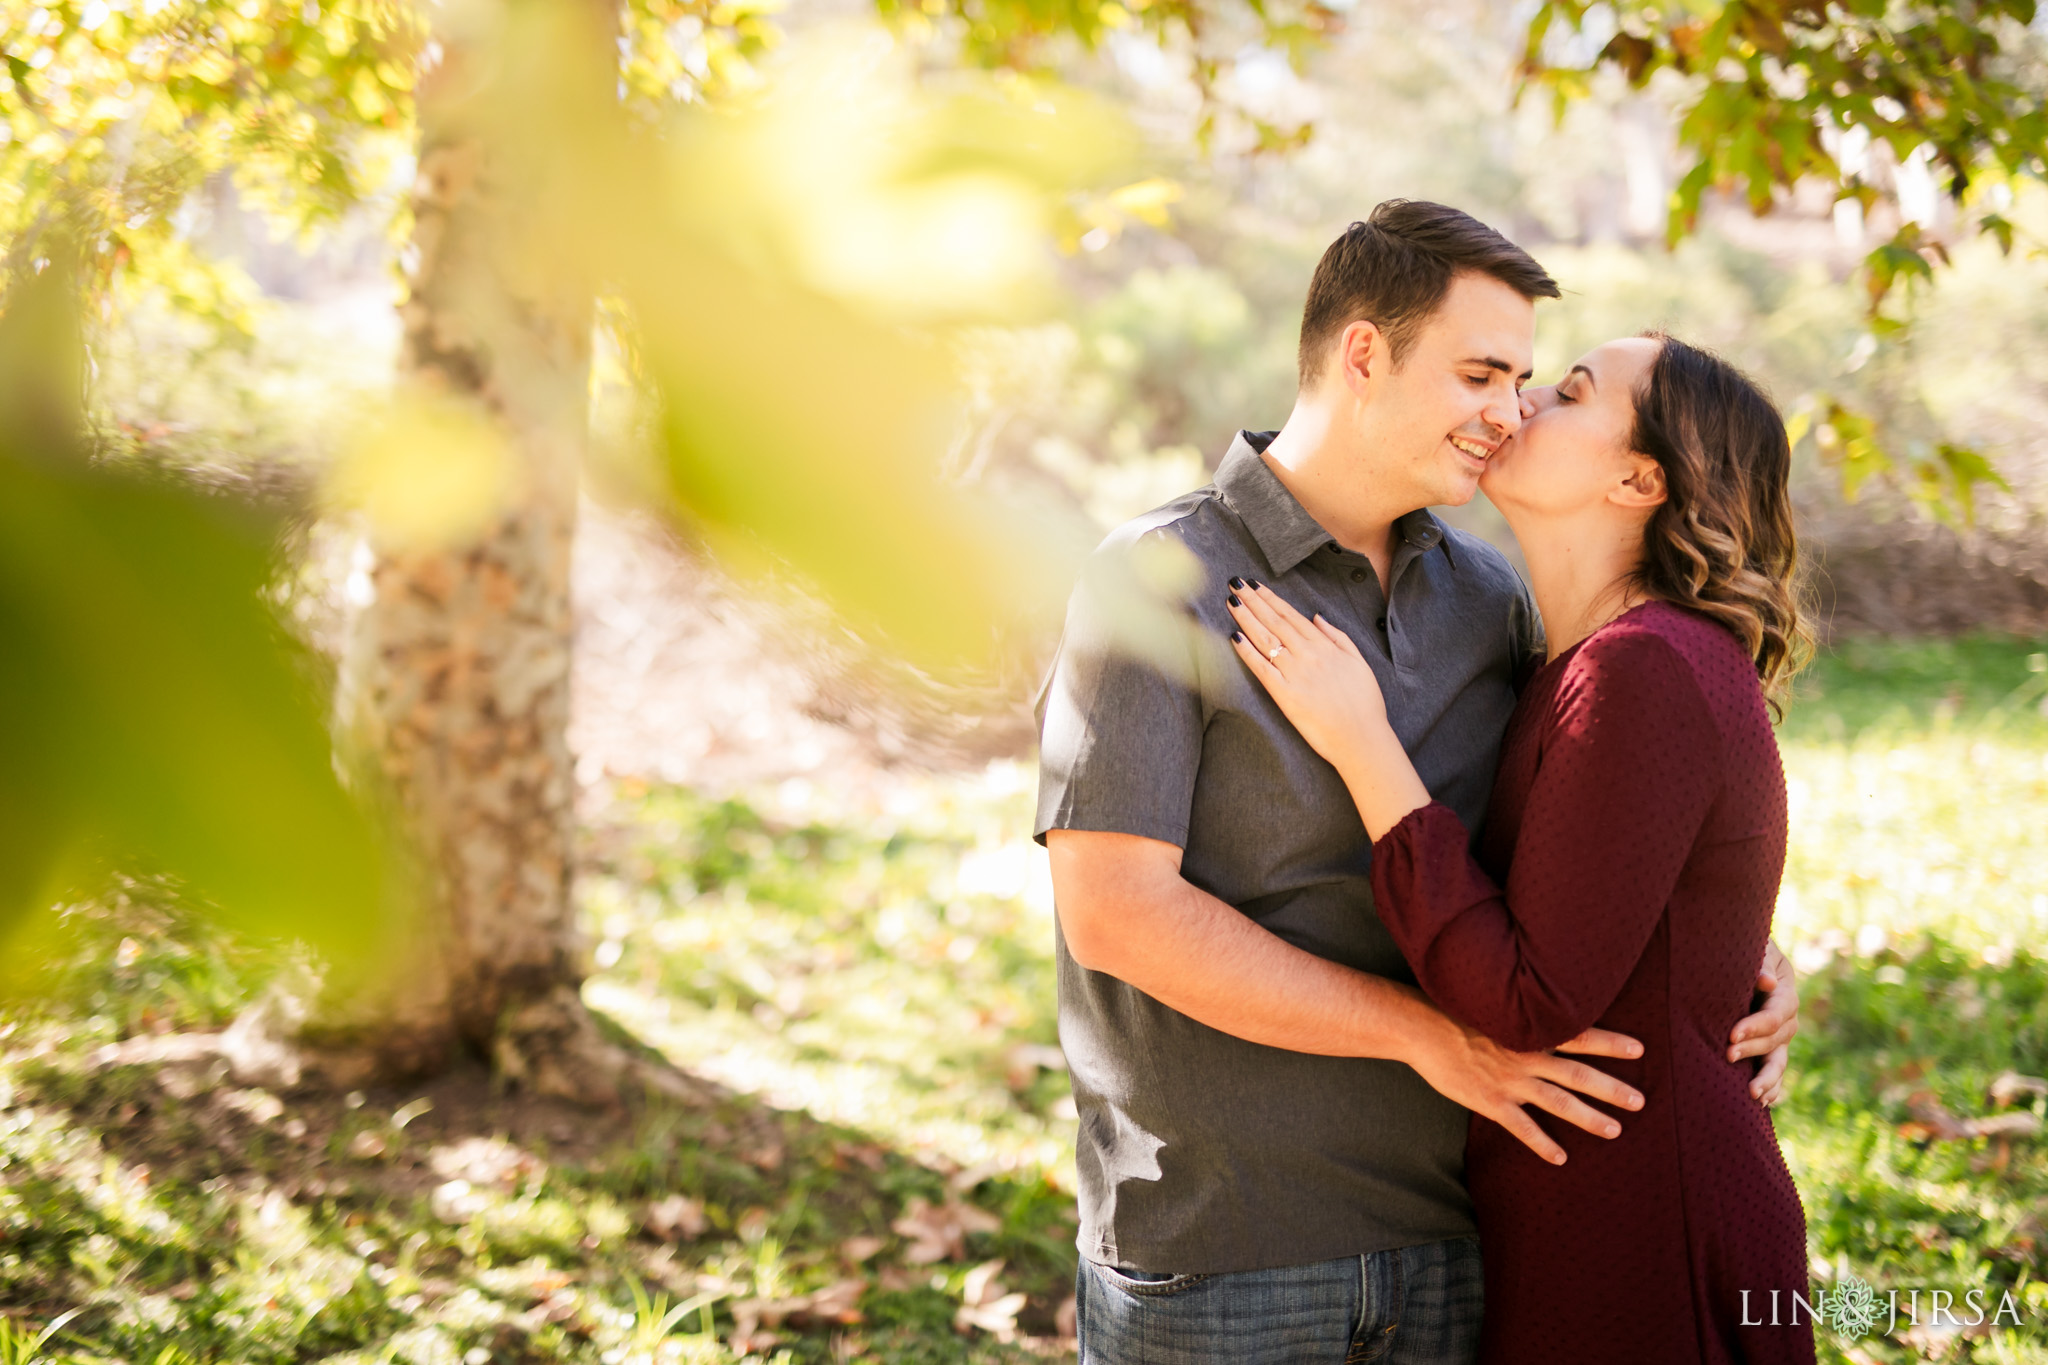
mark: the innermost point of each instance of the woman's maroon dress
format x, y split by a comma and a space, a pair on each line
1638, 828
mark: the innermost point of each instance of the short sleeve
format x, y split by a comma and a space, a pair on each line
1120, 726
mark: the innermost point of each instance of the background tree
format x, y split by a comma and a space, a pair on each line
458, 673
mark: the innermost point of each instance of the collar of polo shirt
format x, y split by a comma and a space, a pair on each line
1284, 530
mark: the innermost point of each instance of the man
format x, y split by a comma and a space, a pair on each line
1272, 1116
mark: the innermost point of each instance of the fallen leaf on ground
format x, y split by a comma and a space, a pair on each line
940, 1234
2008, 1087
866, 1154
980, 1284
259, 1106
767, 1157
755, 1321
1933, 1121
964, 1181
483, 1161
985, 1306
854, 1250
676, 1219
457, 1202
838, 1302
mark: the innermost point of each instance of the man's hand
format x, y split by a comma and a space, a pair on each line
1465, 1065
1768, 1032
1126, 911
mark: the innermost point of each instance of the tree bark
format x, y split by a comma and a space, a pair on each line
457, 677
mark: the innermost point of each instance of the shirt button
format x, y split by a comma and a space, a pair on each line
1383, 623
1358, 575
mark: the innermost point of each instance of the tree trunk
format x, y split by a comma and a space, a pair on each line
457, 680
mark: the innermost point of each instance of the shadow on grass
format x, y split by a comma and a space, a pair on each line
195, 1220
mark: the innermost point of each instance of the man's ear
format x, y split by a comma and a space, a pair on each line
1361, 355
1645, 487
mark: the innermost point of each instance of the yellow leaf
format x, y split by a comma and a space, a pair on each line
1148, 200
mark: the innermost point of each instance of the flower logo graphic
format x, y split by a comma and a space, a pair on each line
1852, 1310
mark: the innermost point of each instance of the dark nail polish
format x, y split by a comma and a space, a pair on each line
1237, 637
1237, 582
1253, 582
1234, 602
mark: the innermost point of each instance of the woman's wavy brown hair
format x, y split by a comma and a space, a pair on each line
1722, 542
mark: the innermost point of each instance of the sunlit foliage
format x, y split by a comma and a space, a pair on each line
1862, 97
115, 115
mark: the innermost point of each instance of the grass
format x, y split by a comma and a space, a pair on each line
1973, 683
1916, 893
1918, 776
863, 979
1893, 1040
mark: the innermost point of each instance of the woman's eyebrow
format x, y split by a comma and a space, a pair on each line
1581, 369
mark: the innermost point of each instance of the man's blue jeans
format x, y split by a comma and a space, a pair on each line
1419, 1305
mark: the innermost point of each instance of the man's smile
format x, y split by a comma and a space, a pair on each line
1477, 450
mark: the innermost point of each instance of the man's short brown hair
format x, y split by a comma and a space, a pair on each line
1394, 269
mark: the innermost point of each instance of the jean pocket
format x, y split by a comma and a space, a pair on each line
1145, 1284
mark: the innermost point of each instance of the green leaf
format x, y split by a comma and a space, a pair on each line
161, 719
1902, 259
1685, 202
1959, 470
1848, 440
2000, 227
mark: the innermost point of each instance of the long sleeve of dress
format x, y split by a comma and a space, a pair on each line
1630, 764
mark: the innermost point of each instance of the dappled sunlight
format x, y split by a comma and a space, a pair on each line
884, 962
1918, 807
1893, 835
221, 1222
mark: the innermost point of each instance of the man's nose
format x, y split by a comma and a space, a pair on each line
1505, 415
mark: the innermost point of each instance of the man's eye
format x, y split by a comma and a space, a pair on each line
1478, 381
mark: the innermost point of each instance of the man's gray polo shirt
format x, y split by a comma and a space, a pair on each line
1199, 1151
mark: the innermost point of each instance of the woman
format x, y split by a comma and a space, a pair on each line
1630, 859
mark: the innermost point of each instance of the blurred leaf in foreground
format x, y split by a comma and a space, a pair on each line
792, 324
426, 473
157, 719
